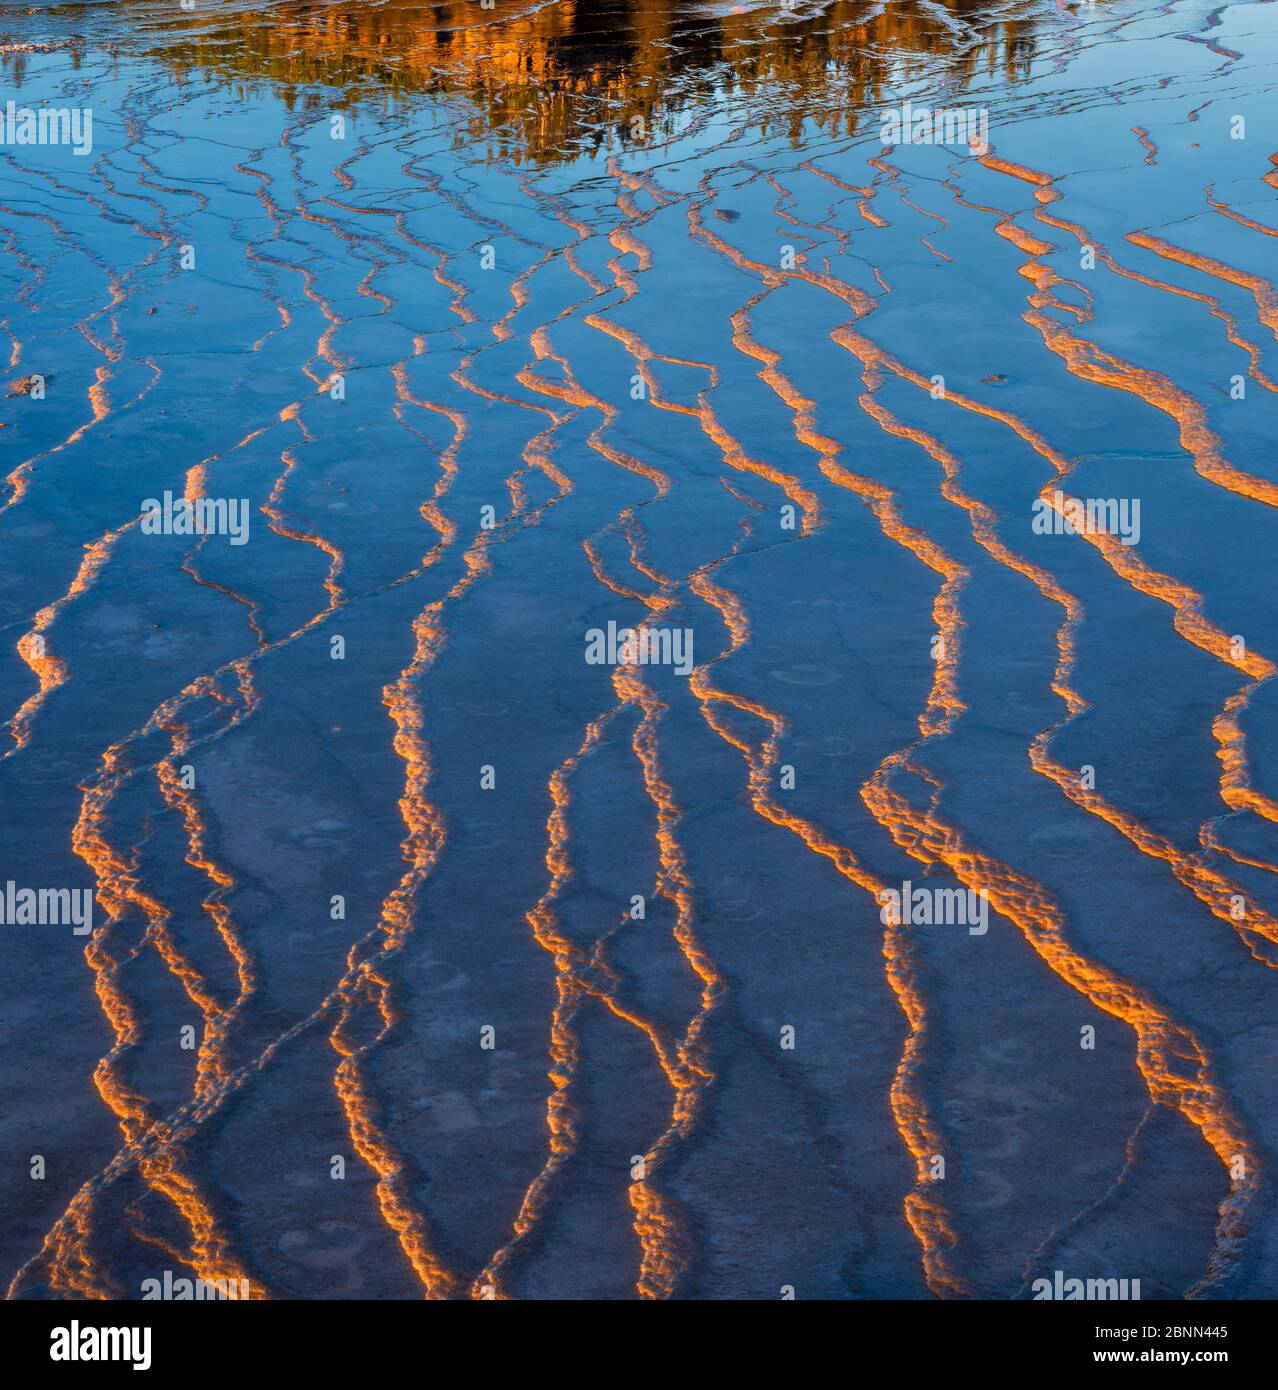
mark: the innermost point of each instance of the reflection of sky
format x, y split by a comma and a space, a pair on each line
841, 619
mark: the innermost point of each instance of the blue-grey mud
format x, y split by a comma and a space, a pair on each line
429, 956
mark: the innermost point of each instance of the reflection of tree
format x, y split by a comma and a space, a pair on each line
544, 79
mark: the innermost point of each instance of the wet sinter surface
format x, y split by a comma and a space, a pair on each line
428, 956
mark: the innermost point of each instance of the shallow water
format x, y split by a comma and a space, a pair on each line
430, 957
